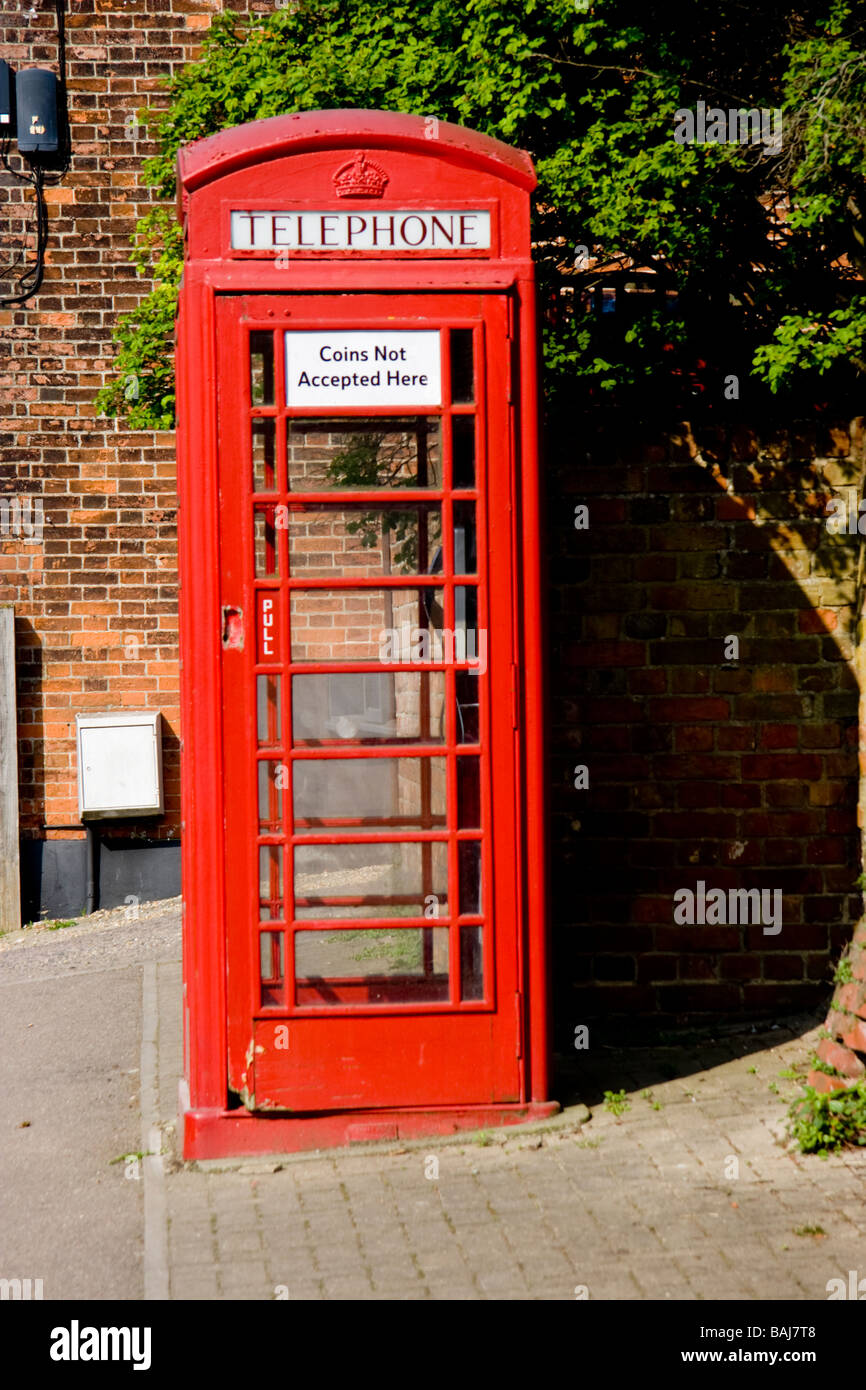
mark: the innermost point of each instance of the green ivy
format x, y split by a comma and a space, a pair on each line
592, 94
821, 1123
844, 972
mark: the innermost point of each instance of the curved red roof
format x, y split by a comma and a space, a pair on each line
257, 141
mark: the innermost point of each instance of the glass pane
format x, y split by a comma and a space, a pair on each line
469, 641
462, 367
266, 544
359, 544
364, 453
271, 970
466, 689
272, 780
468, 794
271, 882
465, 608
369, 707
469, 866
376, 966
268, 721
463, 451
465, 553
385, 625
372, 880
264, 455
369, 793
262, 368
471, 963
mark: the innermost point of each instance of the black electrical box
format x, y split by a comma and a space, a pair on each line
36, 103
7, 100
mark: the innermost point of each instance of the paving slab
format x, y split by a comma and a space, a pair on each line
644, 1205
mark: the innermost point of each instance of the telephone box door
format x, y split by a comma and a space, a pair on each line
368, 595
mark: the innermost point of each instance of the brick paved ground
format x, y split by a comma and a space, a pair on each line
687, 1195
641, 1206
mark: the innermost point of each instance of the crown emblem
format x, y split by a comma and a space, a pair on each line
360, 178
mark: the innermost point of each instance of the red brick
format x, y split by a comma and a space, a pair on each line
698, 794
818, 620
692, 766
647, 682
845, 1062
738, 966
778, 736
685, 710
655, 567
652, 910
775, 679
694, 739
777, 998
735, 738
802, 765
779, 966
820, 1081
735, 509
607, 654
740, 794
853, 998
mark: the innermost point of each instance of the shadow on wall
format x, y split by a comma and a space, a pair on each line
702, 634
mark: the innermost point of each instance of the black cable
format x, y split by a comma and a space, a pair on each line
30, 280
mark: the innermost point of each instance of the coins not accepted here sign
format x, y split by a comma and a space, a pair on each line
363, 367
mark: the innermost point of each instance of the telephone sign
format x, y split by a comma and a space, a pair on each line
348, 231
364, 843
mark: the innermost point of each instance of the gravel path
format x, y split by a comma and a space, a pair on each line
105, 940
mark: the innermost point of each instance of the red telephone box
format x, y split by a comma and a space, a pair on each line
363, 847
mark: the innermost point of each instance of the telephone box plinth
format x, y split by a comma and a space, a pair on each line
364, 842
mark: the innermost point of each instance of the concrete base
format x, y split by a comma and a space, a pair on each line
234, 1133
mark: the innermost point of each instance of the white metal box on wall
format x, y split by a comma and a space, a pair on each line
119, 764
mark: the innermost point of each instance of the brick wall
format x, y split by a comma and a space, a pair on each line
95, 599
741, 773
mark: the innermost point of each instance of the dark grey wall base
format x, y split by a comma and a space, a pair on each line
149, 870
53, 878
54, 874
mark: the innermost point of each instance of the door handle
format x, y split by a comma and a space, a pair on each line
232, 628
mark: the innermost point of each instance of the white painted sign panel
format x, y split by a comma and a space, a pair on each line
456, 230
363, 367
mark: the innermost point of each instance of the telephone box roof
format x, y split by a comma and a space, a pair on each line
258, 141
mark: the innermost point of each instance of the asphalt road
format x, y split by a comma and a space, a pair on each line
70, 1030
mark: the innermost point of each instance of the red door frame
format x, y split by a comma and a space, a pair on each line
409, 1054
211, 1127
